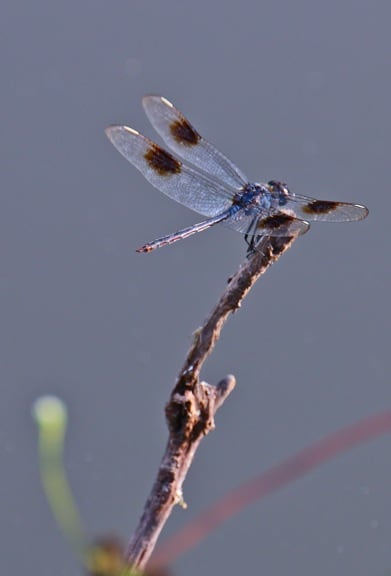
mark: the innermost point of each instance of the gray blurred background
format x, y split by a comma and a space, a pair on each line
298, 91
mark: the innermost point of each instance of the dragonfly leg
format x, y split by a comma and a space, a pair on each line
250, 239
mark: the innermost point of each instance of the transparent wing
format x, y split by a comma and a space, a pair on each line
323, 210
256, 223
178, 181
184, 140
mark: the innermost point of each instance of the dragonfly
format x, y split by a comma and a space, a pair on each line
200, 177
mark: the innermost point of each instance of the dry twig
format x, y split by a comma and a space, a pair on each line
193, 404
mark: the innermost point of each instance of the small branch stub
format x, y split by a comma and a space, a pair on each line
190, 417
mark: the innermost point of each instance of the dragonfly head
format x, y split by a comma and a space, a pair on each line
279, 190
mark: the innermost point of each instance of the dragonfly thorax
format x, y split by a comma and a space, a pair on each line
255, 196
279, 191
264, 197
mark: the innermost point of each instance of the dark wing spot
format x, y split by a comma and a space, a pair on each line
320, 207
184, 133
276, 221
161, 161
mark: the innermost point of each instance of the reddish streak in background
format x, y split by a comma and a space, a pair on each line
271, 480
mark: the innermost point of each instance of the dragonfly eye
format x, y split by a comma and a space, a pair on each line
273, 185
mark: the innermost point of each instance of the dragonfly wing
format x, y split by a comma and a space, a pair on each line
323, 210
253, 223
184, 140
180, 182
